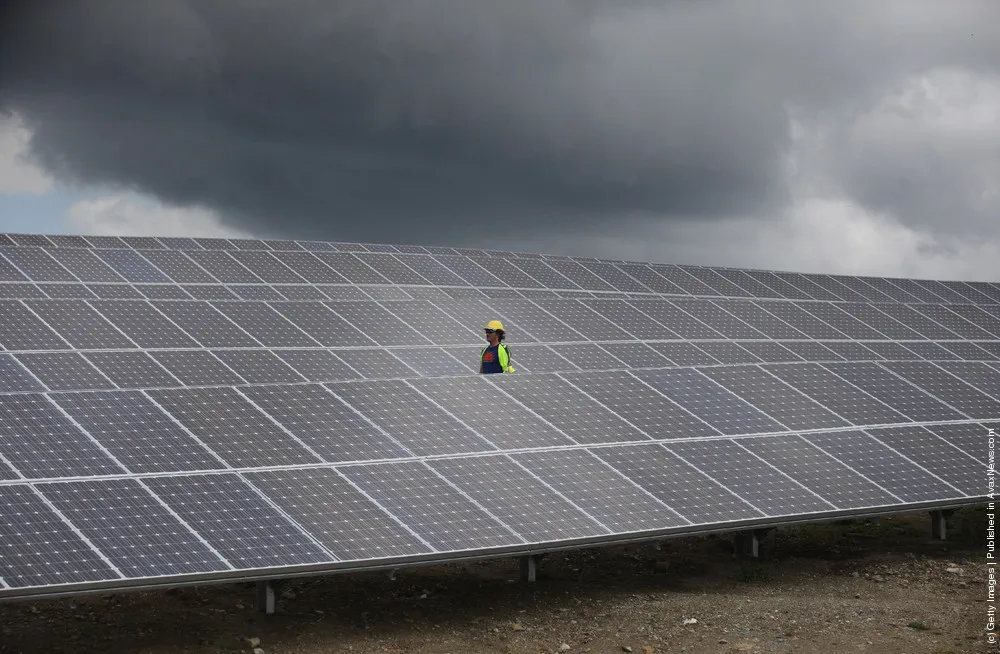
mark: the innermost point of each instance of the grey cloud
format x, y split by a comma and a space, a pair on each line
423, 120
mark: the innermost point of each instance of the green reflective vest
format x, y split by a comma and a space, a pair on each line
502, 354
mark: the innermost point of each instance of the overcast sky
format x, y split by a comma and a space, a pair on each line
858, 137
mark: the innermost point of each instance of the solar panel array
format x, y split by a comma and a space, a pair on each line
182, 409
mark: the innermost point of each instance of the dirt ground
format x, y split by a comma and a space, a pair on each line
878, 585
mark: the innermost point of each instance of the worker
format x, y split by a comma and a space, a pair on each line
495, 357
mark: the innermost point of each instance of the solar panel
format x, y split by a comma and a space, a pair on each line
174, 408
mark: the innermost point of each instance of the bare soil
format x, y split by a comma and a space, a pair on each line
879, 585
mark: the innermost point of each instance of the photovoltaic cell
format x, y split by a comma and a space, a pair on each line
853, 351
39, 441
376, 364
162, 292
599, 490
258, 366
243, 527
37, 548
758, 318
591, 324
921, 293
717, 318
392, 268
265, 324
138, 535
834, 289
943, 459
684, 354
431, 507
377, 323
968, 351
532, 318
474, 401
14, 377
507, 272
955, 323
842, 321
79, 324
836, 394
979, 375
892, 351
336, 514
268, 268
132, 266
978, 317
678, 323
65, 241
256, 292
793, 314
317, 365
21, 330
105, 242
757, 483
133, 429
819, 472
300, 292
534, 358
203, 322
654, 414
970, 438
181, 268
685, 281
896, 474
196, 368
717, 282
233, 428
627, 317
548, 276
417, 424
146, 326
64, 371
351, 267
431, 361
579, 275
140, 242
587, 356
131, 369
509, 492
898, 393
115, 291
947, 388
14, 291
431, 270
649, 278
84, 265
931, 351
324, 423
885, 324
774, 397
635, 355
709, 401
223, 267
209, 292
779, 285
433, 323
310, 268
322, 324
770, 351
574, 413
727, 352
696, 497
37, 265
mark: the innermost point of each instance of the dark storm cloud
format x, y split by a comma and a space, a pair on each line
395, 120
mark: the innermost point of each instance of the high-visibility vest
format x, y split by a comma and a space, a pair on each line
502, 355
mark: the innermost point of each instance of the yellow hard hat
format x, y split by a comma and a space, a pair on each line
494, 324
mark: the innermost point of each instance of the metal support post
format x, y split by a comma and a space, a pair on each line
266, 594
939, 523
747, 543
529, 566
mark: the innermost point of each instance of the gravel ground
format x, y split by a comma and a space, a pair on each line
854, 586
